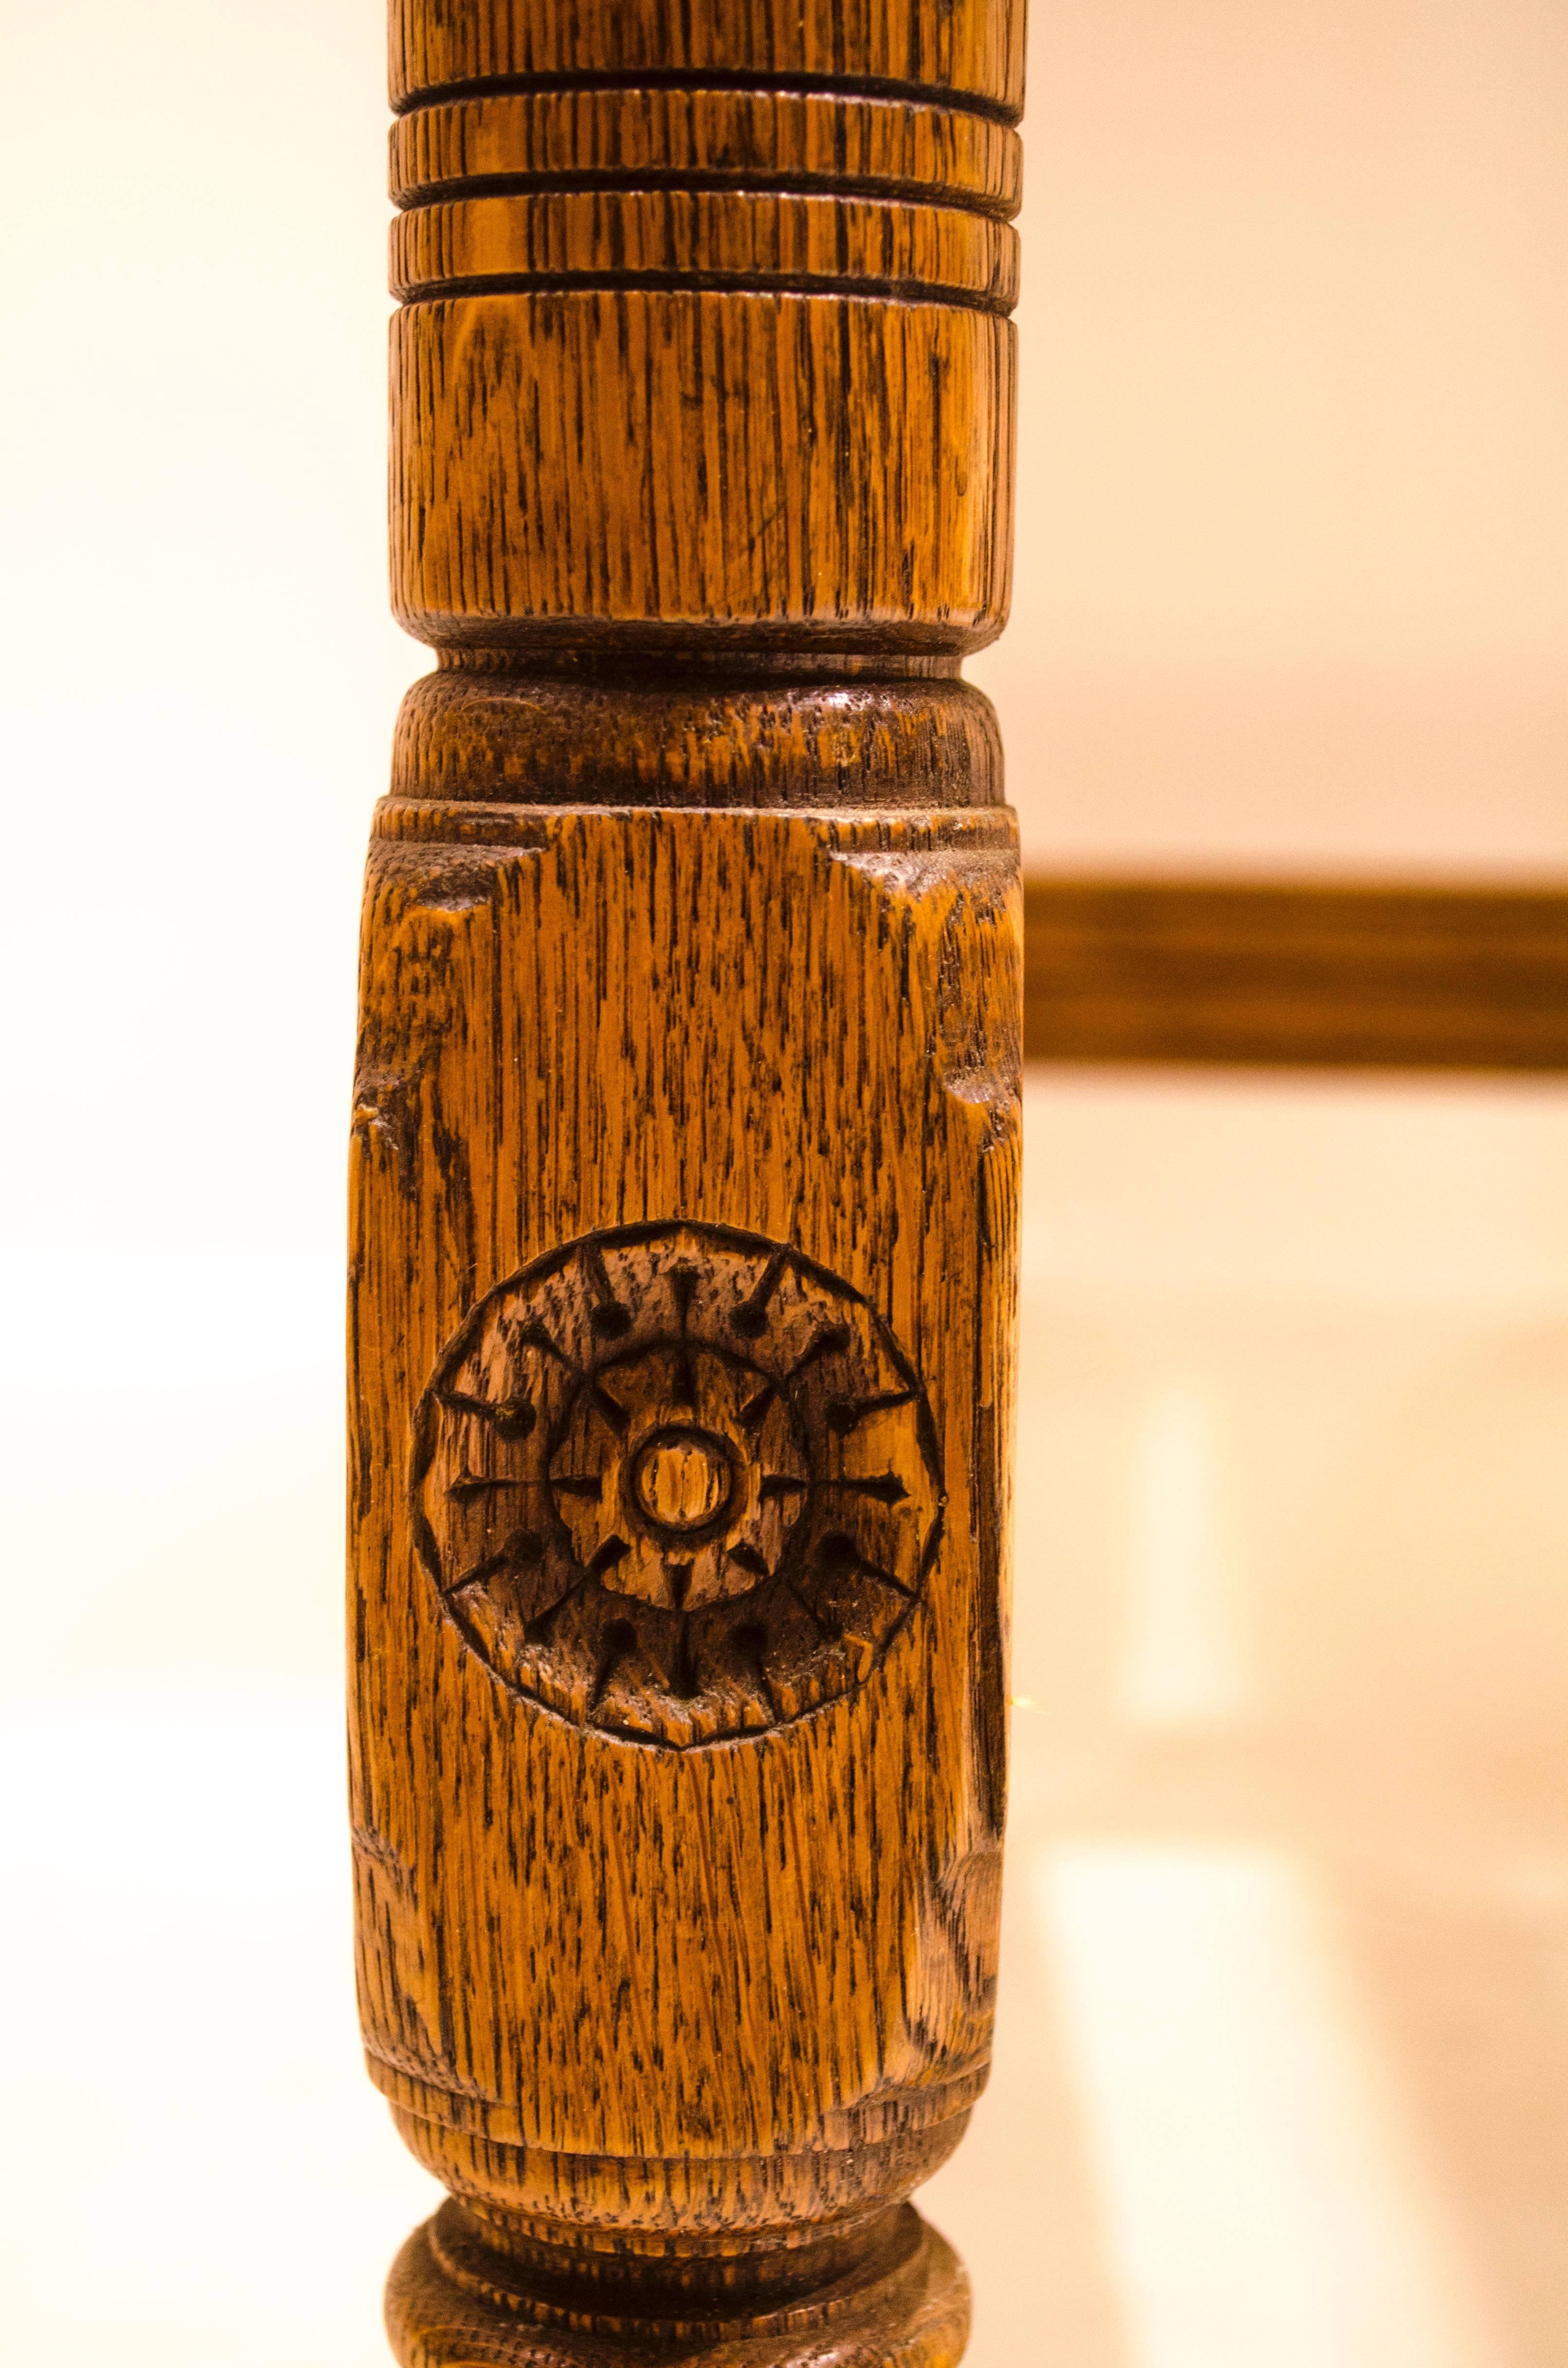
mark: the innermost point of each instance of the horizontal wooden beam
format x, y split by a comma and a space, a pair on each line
1298, 973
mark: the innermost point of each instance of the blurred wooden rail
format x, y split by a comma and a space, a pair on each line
1296, 973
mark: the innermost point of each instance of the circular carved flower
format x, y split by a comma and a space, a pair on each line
677, 1484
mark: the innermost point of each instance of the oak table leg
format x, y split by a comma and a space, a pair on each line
685, 1175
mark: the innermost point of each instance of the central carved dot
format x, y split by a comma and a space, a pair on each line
684, 1479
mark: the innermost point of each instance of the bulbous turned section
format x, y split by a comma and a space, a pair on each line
706, 728
885, 2292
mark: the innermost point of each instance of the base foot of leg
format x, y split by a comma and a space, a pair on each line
451, 2303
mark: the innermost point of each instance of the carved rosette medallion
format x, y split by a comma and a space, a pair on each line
676, 1483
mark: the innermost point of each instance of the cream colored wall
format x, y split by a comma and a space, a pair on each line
197, 672
1292, 581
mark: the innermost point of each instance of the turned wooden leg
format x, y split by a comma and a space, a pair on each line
685, 1175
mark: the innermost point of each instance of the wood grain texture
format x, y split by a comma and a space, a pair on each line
517, 999
756, 238
686, 1177
690, 138
872, 517
898, 2300
969, 51
738, 731
1309, 975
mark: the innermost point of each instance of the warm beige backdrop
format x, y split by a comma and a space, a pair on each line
1293, 523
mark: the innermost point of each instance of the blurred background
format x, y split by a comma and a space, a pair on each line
1283, 2052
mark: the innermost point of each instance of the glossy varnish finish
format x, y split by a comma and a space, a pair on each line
968, 51
686, 1177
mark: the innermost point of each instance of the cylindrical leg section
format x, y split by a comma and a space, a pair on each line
685, 1184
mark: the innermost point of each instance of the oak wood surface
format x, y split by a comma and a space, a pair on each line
691, 138
971, 52
1312, 974
685, 1175
880, 530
